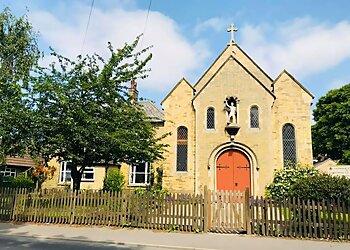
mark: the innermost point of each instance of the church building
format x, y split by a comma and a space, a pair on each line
234, 127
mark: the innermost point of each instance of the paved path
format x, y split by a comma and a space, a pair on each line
148, 238
32, 243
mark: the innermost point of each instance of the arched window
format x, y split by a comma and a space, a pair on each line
254, 117
289, 148
210, 118
182, 149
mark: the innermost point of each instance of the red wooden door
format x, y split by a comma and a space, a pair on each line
232, 171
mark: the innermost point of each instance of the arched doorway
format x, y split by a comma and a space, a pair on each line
232, 171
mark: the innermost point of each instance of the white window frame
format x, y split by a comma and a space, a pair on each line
132, 175
63, 173
7, 171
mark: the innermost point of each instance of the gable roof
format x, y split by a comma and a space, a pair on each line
231, 57
183, 79
152, 111
217, 58
295, 80
245, 54
24, 161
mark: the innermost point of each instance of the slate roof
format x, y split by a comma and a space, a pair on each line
152, 111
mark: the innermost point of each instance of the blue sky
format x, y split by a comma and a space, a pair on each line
311, 39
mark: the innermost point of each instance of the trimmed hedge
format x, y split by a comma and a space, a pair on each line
321, 186
18, 182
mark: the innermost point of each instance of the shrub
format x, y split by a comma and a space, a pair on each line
18, 182
113, 181
321, 186
283, 180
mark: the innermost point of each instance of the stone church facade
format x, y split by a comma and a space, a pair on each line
234, 127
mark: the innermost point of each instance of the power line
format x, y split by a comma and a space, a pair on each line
87, 25
144, 28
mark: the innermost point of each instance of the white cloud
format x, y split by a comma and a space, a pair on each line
215, 23
301, 46
173, 55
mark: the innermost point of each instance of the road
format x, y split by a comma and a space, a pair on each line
30, 243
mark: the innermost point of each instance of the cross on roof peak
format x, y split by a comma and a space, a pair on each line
232, 29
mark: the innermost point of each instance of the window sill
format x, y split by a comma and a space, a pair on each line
181, 172
138, 185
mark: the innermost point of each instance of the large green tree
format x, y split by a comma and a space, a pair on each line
331, 131
83, 114
19, 53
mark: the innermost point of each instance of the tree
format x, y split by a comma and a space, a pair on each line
19, 53
331, 132
83, 115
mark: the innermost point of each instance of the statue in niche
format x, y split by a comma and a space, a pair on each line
231, 109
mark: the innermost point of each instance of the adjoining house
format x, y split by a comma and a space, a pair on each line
331, 167
16, 165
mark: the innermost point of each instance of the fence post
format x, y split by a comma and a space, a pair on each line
247, 211
206, 207
72, 206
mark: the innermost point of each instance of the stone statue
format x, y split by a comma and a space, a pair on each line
231, 109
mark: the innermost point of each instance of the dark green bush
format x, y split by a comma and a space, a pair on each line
18, 182
283, 180
114, 181
321, 186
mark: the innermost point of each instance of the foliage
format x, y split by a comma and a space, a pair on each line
41, 173
17, 182
19, 53
283, 180
331, 132
113, 181
83, 115
156, 184
321, 186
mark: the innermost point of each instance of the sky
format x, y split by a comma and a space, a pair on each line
308, 38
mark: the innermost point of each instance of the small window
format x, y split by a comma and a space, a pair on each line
210, 118
289, 147
254, 117
8, 172
66, 173
140, 174
182, 149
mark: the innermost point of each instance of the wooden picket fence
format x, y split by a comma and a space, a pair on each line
183, 212
223, 212
7, 199
329, 219
228, 211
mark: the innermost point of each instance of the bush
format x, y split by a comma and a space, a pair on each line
114, 181
18, 182
283, 180
321, 186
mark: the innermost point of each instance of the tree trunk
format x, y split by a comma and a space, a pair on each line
76, 177
76, 182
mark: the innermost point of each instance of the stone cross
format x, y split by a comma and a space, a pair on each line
232, 29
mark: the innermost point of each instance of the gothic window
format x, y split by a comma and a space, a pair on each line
254, 117
182, 149
289, 148
210, 118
